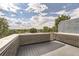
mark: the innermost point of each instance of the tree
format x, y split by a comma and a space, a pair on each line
3, 27
50, 30
33, 30
45, 29
58, 20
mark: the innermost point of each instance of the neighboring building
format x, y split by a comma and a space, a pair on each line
69, 26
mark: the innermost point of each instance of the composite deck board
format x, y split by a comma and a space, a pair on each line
38, 49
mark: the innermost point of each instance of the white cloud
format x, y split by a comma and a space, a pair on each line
21, 12
74, 13
60, 12
43, 14
19, 23
64, 7
36, 8
1, 14
36, 22
40, 21
13, 15
9, 7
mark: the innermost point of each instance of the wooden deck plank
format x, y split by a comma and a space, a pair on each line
38, 49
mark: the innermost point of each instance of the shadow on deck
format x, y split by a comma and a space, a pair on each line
38, 49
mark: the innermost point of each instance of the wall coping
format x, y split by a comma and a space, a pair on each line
33, 33
74, 34
4, 42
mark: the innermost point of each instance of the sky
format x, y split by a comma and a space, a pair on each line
37, 15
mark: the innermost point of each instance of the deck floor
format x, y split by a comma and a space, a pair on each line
38, 49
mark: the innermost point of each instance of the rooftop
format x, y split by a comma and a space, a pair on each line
40, 44
53, 48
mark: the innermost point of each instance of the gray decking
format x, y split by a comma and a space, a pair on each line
38, 49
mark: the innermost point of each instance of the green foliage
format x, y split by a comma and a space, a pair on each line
47, 29
50, 30
18, 31
58, 20
3, 27
33, 30
54, 29
40, 30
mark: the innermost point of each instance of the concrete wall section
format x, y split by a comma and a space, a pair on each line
69, 38
9, 45
34, 38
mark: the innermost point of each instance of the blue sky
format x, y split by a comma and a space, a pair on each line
52, 7
28, 15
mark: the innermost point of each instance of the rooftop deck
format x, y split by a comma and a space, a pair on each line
41, 44
53, 48
38, 49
